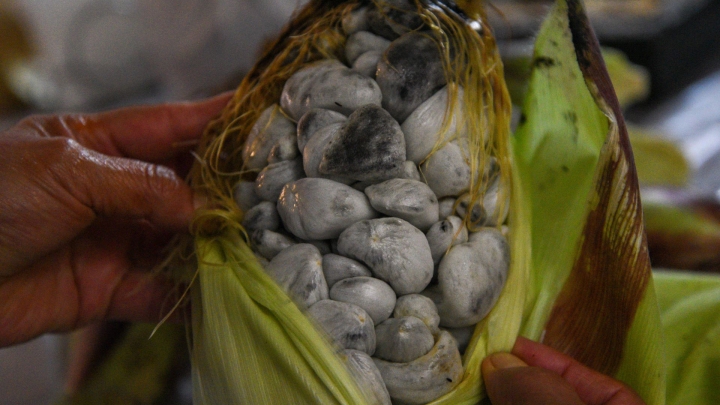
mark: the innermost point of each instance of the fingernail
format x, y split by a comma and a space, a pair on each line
505, 360
199, 201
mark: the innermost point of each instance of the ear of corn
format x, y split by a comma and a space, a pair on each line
579, 277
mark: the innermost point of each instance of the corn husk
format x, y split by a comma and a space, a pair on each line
690, 306
591, 293
579, 279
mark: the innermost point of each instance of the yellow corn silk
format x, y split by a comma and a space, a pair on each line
579, 278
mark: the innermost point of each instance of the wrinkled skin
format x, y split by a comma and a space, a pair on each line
536, 374
88, 201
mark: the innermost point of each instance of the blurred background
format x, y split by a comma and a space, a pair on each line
91, 55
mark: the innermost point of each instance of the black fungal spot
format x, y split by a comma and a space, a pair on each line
445, 226
410, 72
564, 168
338, 104
311, 286
342, 204
479, 303
570, 117
448, 379
352, 282
523, 119
370, 147
544, 62
355, 336
404, 92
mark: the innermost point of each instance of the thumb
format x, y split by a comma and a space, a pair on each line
510, 381
121, 187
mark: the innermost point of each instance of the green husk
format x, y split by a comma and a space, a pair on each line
682, 235
589, 265
251, 344
136, 371
573, 181
659, 161
690, 305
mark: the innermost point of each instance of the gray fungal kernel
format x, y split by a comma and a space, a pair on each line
477, 215
262, 216
418, 306
347, 325
355, 21
396, 252
369, 147
401, 340
410, 200
423, 128
446, 171
366, 64
446, 207
492, 203
471, 277
338, 268
426, 378
271, 180
244, 195
409, 73
298, 270
410, 171
271, 127
318, 209
269, 243
315, 148
284, 149
375, 296
361, 42
312, 121
328, 84
443, 234
366, 374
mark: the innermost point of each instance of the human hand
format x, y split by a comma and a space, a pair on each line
537, 374
88, 202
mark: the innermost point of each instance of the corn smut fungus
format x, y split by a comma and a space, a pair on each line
373, 231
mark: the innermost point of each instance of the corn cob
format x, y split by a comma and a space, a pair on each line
339, 175
334, 162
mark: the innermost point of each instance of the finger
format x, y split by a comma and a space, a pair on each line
510, 381
91, 279
119, 187
593, 388
150, 133
49, 298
